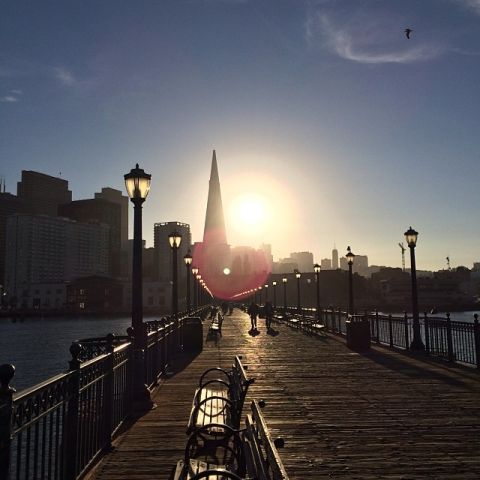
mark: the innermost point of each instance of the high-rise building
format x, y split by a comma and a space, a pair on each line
42, 194
116, 196
104, 212
9, 205
334, 258
326, 264
214, 232
304, 260
51, 250
163, 251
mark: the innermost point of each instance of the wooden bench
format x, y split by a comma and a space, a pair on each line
243, 454
219, 401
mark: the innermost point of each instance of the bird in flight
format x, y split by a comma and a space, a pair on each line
408, 31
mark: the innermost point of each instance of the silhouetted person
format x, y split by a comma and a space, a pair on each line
408, 31
268, 309
253, 310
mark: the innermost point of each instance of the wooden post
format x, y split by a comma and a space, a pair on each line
108, 394
449, 339
6, 412
71, 427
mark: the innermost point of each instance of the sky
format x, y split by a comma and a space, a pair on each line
321, 112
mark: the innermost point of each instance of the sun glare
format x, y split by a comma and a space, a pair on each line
251, 209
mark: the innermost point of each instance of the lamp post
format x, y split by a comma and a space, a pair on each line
284, 281
350, 256
174, 239
417, 343
137, 183
195, 299
274, 284
260, 294
266, 292
297, 276
199, 299
316, 269
187, 258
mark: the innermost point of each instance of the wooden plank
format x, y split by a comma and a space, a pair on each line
342, 415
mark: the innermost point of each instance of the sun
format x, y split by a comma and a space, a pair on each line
249, 210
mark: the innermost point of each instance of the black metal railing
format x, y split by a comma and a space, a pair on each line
450, 340
58, 428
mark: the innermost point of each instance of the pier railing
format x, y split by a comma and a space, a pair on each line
58, 428
443, 338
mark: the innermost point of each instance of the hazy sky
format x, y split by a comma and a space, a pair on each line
348, 131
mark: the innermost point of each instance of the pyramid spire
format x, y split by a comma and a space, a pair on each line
214, 232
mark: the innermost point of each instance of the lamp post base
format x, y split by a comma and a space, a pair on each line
417, 345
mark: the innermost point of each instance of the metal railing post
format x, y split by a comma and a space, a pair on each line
6, 412
377, 325
71, 427
427, 333
108, 394
449, 339
405, 327
390, 330
476, 337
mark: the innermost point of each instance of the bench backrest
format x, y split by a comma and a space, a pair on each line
239, 383
261, 455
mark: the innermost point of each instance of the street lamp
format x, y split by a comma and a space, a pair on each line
411, 238
297, 276
174, 239
284, 281
316, 269
137, 183
274, 283
266, 292
350, 256
187, 258
199, 299
195, 299
260, 293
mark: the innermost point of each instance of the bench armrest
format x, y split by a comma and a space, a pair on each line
220, 472
215, 369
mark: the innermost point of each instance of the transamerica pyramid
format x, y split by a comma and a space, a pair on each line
214, 232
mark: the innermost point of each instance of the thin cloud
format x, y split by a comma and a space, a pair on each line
8, 99
64, 76
473, 5
367, 41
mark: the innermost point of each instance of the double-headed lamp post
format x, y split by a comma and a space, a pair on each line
411, 238
266, 292
297, 276
350, 256
284, 281
316, 269
187, 258
195, 299
260, 294
274, 284
199, 296
137, 183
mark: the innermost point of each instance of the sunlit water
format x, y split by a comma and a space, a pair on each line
39, 348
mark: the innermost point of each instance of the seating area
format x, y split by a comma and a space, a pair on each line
218, 447
219, 398
306, 323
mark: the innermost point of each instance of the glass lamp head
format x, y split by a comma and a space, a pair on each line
188, 258
350, 256
194, 270
316, 268
284, 280
297, 274
137, 183
174, 239
411, 237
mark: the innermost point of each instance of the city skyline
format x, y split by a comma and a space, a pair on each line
348, 131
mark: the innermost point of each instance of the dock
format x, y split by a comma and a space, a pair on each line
382, 414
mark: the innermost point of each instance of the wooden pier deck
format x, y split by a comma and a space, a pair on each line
343, 415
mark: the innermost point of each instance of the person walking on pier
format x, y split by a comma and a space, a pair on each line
268, 308
253, 312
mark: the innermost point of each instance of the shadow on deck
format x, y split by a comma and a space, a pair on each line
342, 415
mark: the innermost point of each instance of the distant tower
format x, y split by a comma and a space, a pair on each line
214, 232
334, 258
